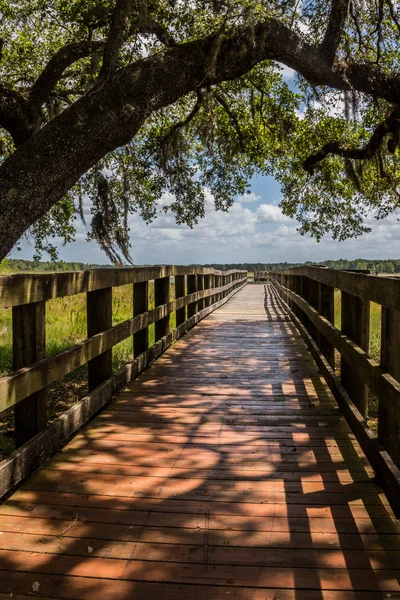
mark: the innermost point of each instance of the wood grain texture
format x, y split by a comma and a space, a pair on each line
29, 346
372, 288
25, 289
225, 470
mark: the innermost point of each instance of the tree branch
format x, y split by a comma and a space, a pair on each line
161, 33
119, 30
232, 117
14, 115
56, 66
335, 29
181, 124
393, 15
390, 125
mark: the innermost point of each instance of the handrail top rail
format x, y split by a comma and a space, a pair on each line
382, 290
19, 289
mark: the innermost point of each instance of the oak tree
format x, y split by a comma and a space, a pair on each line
121, 101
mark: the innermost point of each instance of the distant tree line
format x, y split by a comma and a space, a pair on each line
378, 266
14, 265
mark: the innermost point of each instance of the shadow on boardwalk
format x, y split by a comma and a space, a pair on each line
224, 471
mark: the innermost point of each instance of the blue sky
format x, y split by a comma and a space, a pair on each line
254, 230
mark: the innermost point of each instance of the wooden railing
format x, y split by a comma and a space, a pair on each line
309, 295
198, 292
260, 276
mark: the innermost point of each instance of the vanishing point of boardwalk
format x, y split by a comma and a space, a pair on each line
223, 471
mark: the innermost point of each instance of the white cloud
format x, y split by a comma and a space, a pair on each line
248, 198
270, 213
288, 74
216, 225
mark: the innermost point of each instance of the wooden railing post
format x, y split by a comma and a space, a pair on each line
200, 287
218, 283
388, 420
162, 296
208, 285
179, 293
29, 346
99, 318
355, 324
304, 294
191, 289
291, 285
297, 290
140, 305
328, 311
314, 298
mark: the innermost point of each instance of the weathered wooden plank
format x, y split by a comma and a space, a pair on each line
140, 306
314, 298
388, 420
161, 298
327, 311
200, 288
29, 346
99, 319
25, 289
192, 283
179, 293
382, 290
355, 324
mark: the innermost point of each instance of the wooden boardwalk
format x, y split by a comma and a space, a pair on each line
225, 471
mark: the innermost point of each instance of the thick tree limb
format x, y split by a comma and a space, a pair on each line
52, 73
48, 164
390, 125
118, 33
14, 115
335, 29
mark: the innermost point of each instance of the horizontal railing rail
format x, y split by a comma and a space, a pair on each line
190, 293
26, 289
309, 295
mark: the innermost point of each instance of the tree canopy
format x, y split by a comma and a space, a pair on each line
121, 101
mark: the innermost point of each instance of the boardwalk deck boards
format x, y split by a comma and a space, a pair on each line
225, 470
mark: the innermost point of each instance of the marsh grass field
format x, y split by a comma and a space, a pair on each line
66, 326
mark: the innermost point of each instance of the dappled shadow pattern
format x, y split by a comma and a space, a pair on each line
224, 471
